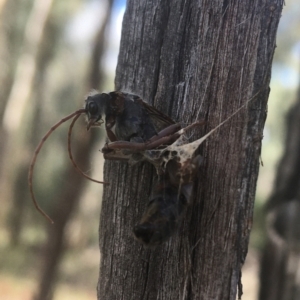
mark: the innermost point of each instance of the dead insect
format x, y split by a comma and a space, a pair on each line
127, 118
136, 131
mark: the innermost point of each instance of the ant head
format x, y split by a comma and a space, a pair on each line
95, 106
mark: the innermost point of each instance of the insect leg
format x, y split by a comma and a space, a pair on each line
165, 132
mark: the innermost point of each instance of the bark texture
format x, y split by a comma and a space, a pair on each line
279, 277
192, 60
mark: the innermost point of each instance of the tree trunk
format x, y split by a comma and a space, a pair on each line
18, 98
192, 60
279, 276
18, 185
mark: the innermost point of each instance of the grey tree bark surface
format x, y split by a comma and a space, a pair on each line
193, 60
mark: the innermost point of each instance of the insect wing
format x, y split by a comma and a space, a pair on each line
159, 119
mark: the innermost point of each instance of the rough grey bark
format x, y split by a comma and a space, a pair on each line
279, 276
192, 60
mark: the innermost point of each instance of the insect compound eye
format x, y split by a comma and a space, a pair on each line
92, 108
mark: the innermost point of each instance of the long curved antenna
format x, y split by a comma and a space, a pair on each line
36, 152
71, 156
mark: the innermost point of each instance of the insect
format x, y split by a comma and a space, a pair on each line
127, 118
136, 131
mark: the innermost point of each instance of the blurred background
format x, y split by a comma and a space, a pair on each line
52, 53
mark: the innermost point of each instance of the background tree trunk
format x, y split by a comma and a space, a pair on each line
70, 195
17, 99
36, 94
192, 60
279, 276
